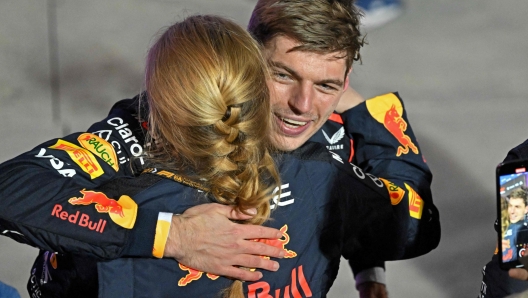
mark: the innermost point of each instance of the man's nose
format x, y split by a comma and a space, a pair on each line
302, 100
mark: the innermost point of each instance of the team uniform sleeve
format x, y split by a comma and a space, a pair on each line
369, 224
49, 196
385, 146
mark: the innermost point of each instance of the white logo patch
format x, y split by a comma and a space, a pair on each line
283, 194
336, 137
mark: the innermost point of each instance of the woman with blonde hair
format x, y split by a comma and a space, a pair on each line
208, 114
211, 125
210, 111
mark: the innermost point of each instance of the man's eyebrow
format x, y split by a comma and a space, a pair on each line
283, 66
278, 64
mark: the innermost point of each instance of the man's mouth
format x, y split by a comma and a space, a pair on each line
291, 127
293, 123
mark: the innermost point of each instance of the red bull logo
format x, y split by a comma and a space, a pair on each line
102, 203
78, 218
388, 110
123, 211
280, 243
396, 125
193, 275
262, 289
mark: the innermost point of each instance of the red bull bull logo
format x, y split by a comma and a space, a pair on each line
388, 110
280, 243
193, 275
123, 211
102, 203
396, 125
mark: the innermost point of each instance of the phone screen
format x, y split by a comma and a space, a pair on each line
512, 207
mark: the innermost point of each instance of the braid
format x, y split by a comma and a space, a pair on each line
212, 123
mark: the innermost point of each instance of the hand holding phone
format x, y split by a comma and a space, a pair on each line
512, 209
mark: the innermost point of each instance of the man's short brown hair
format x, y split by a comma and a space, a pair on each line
520, 193
320, 26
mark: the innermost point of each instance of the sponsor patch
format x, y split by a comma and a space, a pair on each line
415, 203
193, 274
388, 110
123, 211
396, 193
99, 147
262, 289
82, 157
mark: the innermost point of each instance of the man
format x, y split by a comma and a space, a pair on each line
312, 89
517, 209
496, 282
308, 81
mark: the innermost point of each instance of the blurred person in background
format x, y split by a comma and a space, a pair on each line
377, 13
7, 291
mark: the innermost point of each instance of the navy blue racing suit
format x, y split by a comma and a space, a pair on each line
377, 137
36, 185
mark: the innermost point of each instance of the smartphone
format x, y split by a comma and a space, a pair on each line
512, 209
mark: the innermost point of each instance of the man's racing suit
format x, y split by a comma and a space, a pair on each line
39, 182
376, 136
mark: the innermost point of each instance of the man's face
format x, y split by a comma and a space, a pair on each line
516, 209
305, 88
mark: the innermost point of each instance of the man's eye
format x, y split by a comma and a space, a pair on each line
328, 87
281, 76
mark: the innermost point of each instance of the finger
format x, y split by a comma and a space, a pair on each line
262, 249
259, 232
521, 274
256, 262
242, 274
232, 213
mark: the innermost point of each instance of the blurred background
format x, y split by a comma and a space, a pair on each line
459, 65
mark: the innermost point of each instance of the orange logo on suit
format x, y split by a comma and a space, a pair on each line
388, 110
280, 243
192, 275
123, 211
